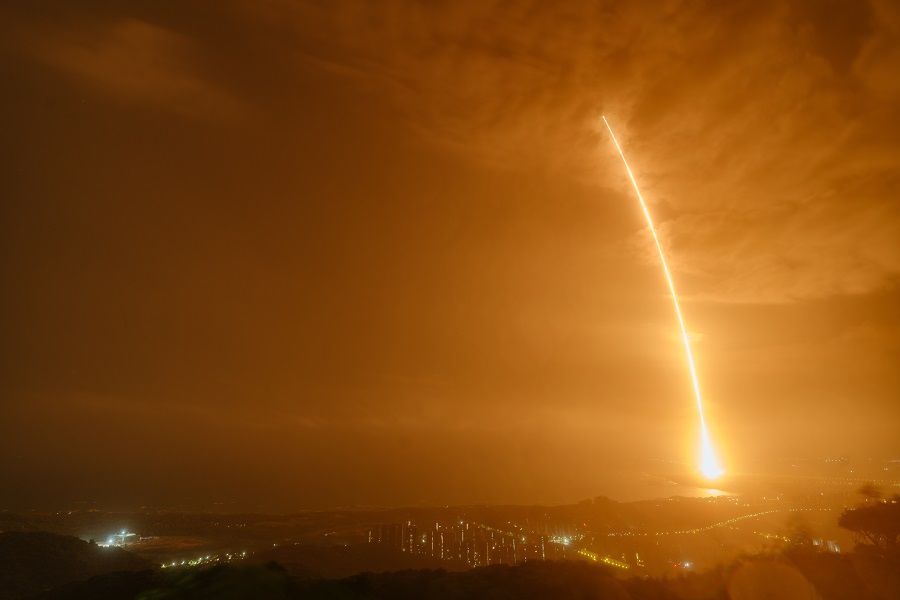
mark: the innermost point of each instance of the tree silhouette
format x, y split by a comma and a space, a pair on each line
870, 492
877, 525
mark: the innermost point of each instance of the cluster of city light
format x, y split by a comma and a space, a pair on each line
773, 536
830, 545
603, 559
123, 538
565, 540
509, 544
709, 463
489, 528
204, 560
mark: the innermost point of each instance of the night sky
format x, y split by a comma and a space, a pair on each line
292, 254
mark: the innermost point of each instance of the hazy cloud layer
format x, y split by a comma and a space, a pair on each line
383, 252
764, 133
136, 61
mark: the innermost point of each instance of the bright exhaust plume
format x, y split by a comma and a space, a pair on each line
709, 464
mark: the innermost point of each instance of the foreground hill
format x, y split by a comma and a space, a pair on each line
777, 577
31, 562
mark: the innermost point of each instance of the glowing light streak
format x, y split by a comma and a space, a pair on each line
709, 462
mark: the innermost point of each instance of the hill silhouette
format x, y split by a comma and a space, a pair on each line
797, 574
38, 561
32, 562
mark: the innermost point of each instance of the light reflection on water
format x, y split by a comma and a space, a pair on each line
651, 486
714, 493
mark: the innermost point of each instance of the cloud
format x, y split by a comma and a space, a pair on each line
138, 62
764, 133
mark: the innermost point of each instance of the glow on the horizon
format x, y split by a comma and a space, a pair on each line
709, 463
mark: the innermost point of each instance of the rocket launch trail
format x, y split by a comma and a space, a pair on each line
709, 463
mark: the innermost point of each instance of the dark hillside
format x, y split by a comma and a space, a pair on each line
31, 562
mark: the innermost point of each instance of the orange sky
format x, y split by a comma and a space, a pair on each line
386, 254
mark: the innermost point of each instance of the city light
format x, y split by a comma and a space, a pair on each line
123, 538
593, 556
205, 560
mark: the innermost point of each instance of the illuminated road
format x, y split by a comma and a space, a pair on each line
724, 523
